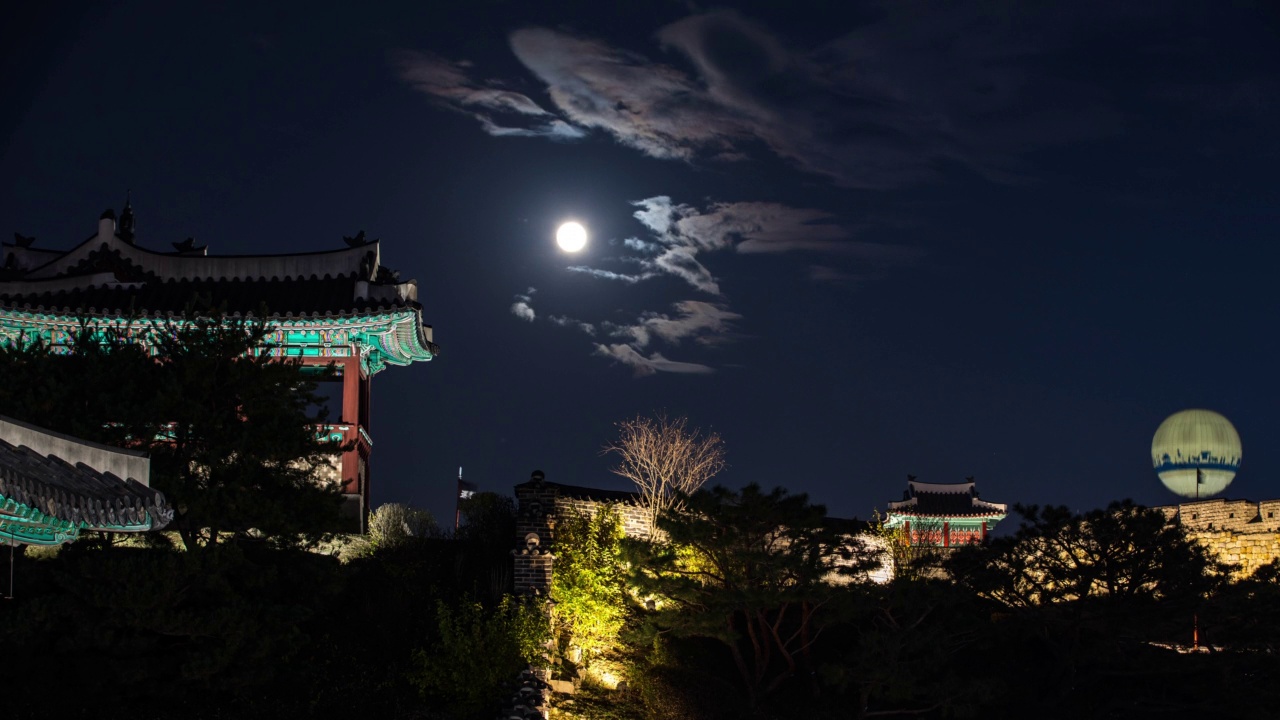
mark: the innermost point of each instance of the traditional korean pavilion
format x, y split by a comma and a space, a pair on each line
944, 515
340, 306
53, 487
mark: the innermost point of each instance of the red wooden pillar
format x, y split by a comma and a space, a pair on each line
351, 387
364, 441
946, 533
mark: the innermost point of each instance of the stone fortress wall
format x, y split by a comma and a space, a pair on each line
1245, 533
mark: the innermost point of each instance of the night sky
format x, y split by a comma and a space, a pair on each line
858, 240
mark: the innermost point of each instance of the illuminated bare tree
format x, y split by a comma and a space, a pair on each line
664, 458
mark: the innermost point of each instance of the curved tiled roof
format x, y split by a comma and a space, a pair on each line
359, 260
76, 493
108, 276
946, 504
298, 297
945, 499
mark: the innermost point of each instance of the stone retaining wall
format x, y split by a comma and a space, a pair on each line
1248, 551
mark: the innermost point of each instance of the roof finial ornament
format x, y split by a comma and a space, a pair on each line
125, 229
357, 241
22, 241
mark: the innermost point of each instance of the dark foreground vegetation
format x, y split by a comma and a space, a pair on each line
423, 628
242, 613
252, 631
1073, 616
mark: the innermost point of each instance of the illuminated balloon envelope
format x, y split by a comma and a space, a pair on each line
1196, 453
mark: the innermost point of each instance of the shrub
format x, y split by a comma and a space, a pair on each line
392, 524
478, 652
587, 586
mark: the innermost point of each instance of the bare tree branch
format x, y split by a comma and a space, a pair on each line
665, 459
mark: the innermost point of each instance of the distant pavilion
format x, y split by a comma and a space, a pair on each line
341, 306
943, 514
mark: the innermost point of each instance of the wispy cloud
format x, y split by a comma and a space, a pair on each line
889, 104
564, 321
681, 233
705, 323
639, 245
449, 82
654, 108
652, 364
608, 274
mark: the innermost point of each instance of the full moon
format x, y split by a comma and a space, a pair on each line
571, 237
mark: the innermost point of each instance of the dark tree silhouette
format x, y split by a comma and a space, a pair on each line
233, 440
749, 569
1121, 553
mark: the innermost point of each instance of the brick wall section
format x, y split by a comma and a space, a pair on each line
533, 573
636, 522
1245, 533
540, 503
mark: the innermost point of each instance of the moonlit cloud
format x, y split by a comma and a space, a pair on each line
682, 262
705, 322
450, 81
556, 129
644, 105
887, 105
682, 233
522, 307
654, 363
680, 237
451, 85
569, 322
608, 274
523, 311
639, 245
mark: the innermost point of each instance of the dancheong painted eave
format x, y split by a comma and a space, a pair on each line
328, 304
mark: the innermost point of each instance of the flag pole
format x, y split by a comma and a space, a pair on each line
457, 502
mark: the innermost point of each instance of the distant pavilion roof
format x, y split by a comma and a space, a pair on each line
53, 486
945, 500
